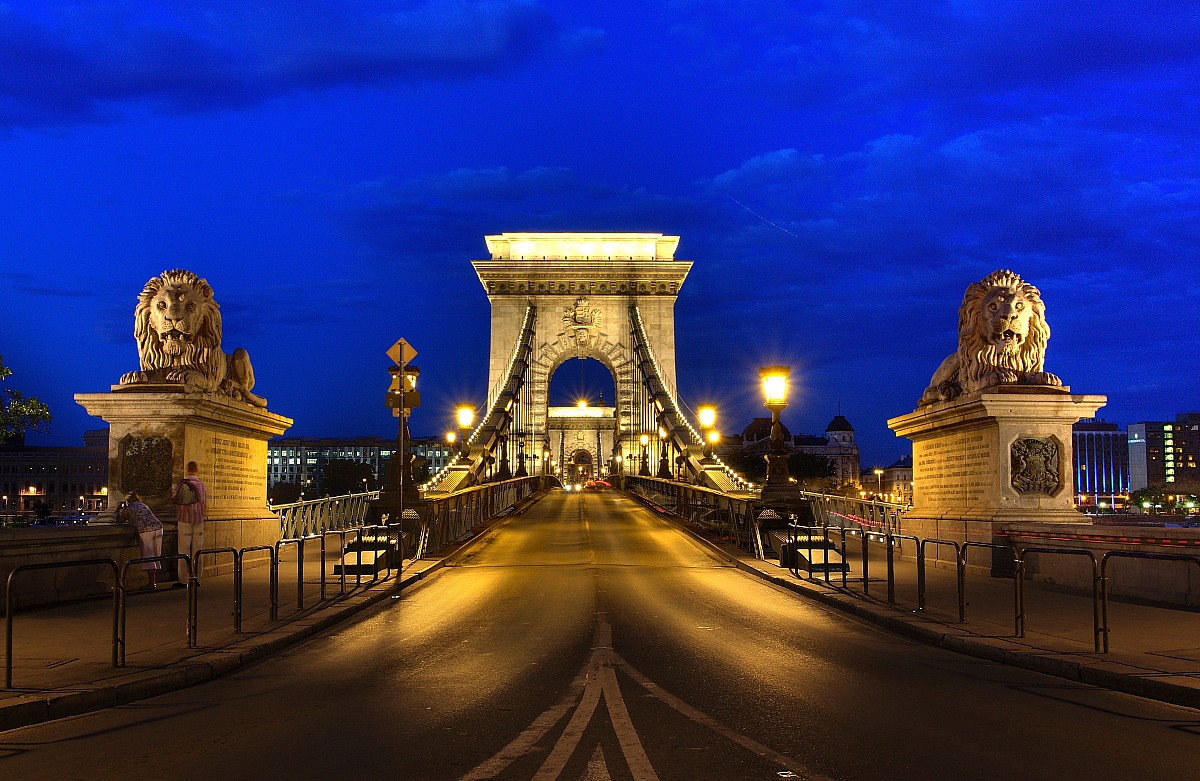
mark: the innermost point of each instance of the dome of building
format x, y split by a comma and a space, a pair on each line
839, 423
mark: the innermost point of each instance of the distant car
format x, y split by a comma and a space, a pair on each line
596, 485
74, 519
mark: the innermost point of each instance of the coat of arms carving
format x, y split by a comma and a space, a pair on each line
581, 321
1035, 466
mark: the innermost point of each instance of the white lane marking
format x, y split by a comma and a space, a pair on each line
597, 768
528, 739
602, 681
703, 719
598, 679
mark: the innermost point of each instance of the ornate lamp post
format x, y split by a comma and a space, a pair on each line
644, 471
466, 418
521, 470
708, 422
664, 462
778, 488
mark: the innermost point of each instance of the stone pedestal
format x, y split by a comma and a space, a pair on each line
1002, 456
154, 430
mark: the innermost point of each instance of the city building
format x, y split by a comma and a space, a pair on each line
838, 445
55, 480
1101, 457
1163, 454
894, 483
303, 462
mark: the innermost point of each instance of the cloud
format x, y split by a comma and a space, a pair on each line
90, 63
447, 215
942, 64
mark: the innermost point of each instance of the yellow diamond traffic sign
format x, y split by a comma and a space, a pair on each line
402, 352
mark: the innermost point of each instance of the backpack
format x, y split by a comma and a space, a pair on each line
186, 494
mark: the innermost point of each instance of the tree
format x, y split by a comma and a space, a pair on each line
19, 414
343, 476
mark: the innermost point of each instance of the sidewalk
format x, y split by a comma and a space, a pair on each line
62, 654
1154, 651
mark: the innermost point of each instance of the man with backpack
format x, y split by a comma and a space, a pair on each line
191, 505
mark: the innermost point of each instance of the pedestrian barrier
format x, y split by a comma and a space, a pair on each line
123, 592
9, 607
1128, 554
1091, 556
1018, 592
194, 588
273, 577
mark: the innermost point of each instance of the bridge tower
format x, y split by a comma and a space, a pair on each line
607, 296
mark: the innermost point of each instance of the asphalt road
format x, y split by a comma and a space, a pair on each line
589, 640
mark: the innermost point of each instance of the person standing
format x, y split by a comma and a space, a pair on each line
150, 533
191, 507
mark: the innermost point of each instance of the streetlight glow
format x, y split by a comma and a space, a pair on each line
775, 383
466, 415
708, 416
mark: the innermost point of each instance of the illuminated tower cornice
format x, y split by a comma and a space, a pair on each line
598, 264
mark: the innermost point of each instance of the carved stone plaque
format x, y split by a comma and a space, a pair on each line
1035, 466
146, 465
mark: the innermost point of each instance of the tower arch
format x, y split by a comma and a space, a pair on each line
583, 287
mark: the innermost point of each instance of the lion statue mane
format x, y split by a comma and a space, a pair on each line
177, 325
1002, 338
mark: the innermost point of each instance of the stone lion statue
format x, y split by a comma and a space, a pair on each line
177, 324
1002, 337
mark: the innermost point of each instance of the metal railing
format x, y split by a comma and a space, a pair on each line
730, 517
870, 514
315, 516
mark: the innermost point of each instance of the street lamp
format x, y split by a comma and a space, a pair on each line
778, 487
878, 480
644, 471
466, 419
714, 437
664, 462
708, 422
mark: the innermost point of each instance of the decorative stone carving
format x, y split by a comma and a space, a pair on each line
1002, 333
1035, 466
146, 464
177, 324
581, 321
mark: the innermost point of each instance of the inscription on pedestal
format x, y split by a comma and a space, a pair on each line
146, 465
955, 470
237, 478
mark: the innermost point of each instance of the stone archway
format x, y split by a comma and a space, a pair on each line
582, 285
582, 467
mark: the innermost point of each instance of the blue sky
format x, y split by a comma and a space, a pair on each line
838, 171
